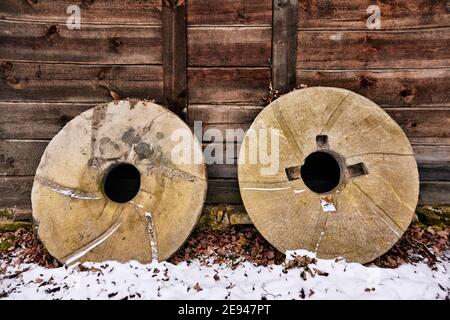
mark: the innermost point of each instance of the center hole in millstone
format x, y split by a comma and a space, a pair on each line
121, 182
321, 172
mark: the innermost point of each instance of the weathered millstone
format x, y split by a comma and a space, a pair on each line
330, 135
125, 146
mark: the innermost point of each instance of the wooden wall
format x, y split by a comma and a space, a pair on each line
49, 74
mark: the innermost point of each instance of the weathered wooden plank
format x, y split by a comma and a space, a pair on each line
199, 12
386, 87
174, 56
222, 171
422, 122
417, 48
229, 12
223, 191
15, 192
431, 141
352, 14
434, 171
234, 147
20, 157
22, 120
284, 44
431, 153
78, 83
222, 114
228, 85
92, 12
99, 44
122, 44
313, 14
224, 132
229, 46
434, 193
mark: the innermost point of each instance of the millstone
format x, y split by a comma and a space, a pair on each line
108, 187
347, 182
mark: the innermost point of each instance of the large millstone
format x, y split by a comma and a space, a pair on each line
109, 186
346, 184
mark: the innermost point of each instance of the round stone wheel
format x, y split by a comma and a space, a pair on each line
345, 183
111, 187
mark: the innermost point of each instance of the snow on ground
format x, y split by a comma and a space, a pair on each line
325, 279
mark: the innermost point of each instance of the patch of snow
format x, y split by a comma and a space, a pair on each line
327, 279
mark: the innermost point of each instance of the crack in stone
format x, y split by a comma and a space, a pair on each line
333, 116
287, 132
397, 233
381, 153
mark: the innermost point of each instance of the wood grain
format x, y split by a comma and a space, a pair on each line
229, 46
16, 192
78, 83
174, 56
28, 120
222, 114
374, 49
352, 14
228, 85
434, 193
229, 12
92, 12
20, 157
422, 123
386, 87
284, 44
223, 191
97, 44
